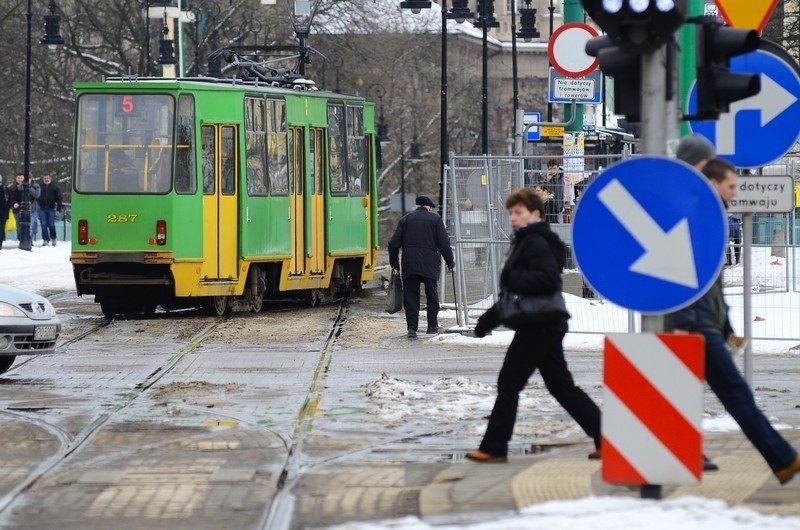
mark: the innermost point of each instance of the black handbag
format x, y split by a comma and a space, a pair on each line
519, 310
394, 299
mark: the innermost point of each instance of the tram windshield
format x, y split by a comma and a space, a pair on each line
124, 143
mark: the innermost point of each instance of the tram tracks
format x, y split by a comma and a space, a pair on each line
279, 513
69, 444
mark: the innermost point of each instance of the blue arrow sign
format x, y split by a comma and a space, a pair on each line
649, 234
760, 129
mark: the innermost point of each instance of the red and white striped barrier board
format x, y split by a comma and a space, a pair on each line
653, 409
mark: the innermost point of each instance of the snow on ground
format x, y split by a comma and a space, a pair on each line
42, 269
46, 269
610, 513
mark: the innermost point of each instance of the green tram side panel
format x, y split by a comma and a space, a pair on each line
265, 227
347, 231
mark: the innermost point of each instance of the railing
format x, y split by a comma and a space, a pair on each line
480, 232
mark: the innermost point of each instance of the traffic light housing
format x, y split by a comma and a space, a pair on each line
625, 66
641, 24
717, 86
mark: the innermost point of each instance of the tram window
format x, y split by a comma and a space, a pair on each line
124, 143
185, 168
278, 164
297, 162
336, 148
209, 160
317, 157
356, 150
255, 147
277, 145
228, 161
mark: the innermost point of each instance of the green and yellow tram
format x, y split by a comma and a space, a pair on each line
217, 193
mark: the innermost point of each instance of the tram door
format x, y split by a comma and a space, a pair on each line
297, 167
220, 212
368, 203
315, 217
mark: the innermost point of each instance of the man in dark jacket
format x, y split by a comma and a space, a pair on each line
422, 237
553, 187
49, 201
709, 317
15, 195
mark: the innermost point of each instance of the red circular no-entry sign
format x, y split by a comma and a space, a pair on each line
567, 49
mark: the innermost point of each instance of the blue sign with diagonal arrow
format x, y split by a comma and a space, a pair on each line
761, 129
649, 234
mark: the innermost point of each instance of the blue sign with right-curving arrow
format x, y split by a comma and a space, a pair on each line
761, 129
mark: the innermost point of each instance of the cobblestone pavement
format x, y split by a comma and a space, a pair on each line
208, 446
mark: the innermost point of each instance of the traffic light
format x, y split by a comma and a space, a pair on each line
717, 86
625, 66
641, 24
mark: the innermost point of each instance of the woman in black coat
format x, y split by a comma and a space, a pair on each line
534, 268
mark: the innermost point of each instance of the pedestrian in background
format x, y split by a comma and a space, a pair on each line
553, 186
709, 316
735, 236
5, 206
15, 192
35, 191
697, 150
422, 237
49, 202
534, 266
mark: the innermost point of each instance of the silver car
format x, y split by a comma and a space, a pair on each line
28, 325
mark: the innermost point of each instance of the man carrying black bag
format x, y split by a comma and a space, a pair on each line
422, 236
394, 299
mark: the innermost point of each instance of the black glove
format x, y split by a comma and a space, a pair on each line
484, 325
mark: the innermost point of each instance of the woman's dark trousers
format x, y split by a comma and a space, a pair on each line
538, 346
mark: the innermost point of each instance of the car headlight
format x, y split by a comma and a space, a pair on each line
8, 310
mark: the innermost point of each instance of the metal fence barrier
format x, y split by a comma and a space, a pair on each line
479, 227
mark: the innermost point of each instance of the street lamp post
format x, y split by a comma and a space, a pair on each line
202, 11
526, 32
414, 156
552, 9
166, 48
485, 21
146, 5
51, 38
382, 128
459, 12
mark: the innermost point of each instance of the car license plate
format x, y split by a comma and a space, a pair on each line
44, 333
